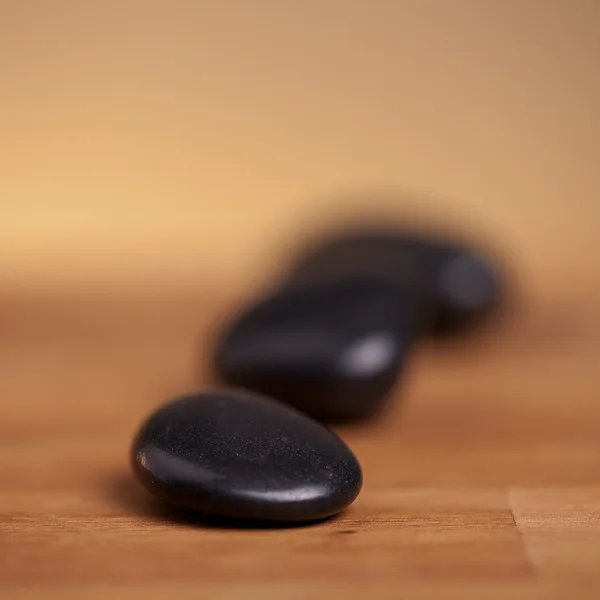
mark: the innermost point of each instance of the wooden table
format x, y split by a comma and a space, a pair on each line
482, 479
146, 145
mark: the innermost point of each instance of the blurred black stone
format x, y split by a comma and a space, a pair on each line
333, 348
454, 286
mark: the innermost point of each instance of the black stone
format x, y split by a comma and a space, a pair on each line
455, 286
464, 289
333, 350
245, 456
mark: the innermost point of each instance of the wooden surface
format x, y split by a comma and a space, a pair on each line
149, 147
482, 479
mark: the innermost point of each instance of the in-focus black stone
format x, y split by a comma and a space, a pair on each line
455, 285
245, 456
333, 349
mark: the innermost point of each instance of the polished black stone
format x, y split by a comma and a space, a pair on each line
333, 349
241, 455
455, 286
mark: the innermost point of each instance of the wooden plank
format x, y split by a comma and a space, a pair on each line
481, 478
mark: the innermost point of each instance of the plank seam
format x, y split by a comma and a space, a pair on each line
529, 555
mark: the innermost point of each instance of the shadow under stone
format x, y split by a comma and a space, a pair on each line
131, 496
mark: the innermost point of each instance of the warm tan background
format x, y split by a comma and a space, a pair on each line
168, 139
155, 159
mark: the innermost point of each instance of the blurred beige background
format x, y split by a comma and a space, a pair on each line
176, 142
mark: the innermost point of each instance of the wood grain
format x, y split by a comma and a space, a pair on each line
482, 479
147, 148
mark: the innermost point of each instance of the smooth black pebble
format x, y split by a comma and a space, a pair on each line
245, 456
333, 350
455, 286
